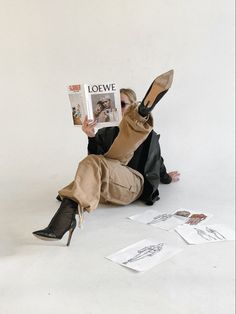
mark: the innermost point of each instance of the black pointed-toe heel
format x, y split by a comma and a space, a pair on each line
48, 235
63, 221
58, 198
156, 91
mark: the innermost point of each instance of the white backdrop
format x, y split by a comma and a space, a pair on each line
48, 44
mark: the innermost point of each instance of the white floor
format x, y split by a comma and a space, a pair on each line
48, 277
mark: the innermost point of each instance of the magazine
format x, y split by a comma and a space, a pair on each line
100, 102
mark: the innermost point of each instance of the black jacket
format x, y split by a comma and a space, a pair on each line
147, 160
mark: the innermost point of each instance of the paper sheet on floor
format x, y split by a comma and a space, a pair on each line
171, 220
205, 234
144, 254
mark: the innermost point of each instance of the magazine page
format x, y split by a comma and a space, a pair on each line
77, 102
103, 104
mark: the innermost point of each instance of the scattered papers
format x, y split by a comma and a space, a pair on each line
205, 234
168, 221
144, 255
189, 224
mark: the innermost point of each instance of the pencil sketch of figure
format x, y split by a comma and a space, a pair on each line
182, 213
147, 251
205, 235
195, 219
218, 235
159, 218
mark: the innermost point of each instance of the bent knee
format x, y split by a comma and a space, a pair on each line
93, 159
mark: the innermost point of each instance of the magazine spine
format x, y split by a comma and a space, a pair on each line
87, 102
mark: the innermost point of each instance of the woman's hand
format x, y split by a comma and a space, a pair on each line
174, 176
88, 127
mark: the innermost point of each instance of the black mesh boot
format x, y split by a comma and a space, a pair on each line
63, 221
156, 91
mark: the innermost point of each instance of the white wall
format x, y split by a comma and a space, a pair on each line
48, 44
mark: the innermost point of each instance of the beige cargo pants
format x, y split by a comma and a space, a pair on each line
106, 178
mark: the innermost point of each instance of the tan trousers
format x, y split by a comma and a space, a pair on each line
106, 178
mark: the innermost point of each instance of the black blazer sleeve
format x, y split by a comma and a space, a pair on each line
102, 141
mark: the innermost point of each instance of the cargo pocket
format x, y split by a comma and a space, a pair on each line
125, 185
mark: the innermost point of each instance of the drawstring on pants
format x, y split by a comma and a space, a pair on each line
81, 216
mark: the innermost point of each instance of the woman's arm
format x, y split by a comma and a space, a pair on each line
168, 177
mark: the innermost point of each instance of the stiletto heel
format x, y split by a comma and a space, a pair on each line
73, 225
63, 221
156, 91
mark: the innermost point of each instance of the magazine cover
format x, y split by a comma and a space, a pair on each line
100, 102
